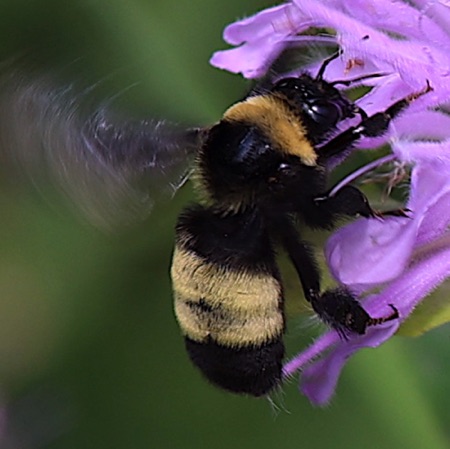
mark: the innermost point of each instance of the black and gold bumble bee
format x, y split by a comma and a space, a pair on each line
260, 170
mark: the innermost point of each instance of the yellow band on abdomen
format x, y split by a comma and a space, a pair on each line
234, 308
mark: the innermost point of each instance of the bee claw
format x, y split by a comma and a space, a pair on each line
401, 212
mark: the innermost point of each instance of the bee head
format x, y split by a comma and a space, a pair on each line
319, 104
263, 151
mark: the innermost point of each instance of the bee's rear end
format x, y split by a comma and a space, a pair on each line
228, 300
254, 370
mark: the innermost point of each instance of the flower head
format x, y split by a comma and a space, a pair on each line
403, 260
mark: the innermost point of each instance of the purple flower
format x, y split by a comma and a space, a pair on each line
402, 259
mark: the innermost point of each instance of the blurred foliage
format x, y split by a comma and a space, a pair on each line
90, 354
432, 313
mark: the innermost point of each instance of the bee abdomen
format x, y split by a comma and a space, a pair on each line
254, 370
231, 314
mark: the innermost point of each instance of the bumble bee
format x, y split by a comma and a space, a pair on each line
260, 171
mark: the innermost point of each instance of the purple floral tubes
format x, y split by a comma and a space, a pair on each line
401, 259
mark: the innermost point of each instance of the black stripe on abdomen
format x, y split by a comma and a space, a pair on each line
253, 370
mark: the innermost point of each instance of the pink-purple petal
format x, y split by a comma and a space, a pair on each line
410, 41
319, 378
261, 38
250, 59
423, 124
322, 344
431, 186
392, 89
395, 17
438, 12
411, 59
410, 151
380, 250
258, 26
436, 222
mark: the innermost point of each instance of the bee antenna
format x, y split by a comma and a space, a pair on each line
359, 78
325, 63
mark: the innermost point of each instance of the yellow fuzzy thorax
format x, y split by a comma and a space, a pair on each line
278, 122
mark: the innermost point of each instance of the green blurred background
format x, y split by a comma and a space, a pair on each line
90, 354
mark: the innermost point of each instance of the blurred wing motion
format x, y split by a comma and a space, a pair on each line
113, 170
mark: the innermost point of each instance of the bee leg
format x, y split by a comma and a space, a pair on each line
377, 124
402, 212
338, 308
370, 126
348, 201
301, 256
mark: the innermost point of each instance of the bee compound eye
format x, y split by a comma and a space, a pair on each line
324, 113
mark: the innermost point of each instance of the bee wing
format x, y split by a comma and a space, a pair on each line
114, 170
